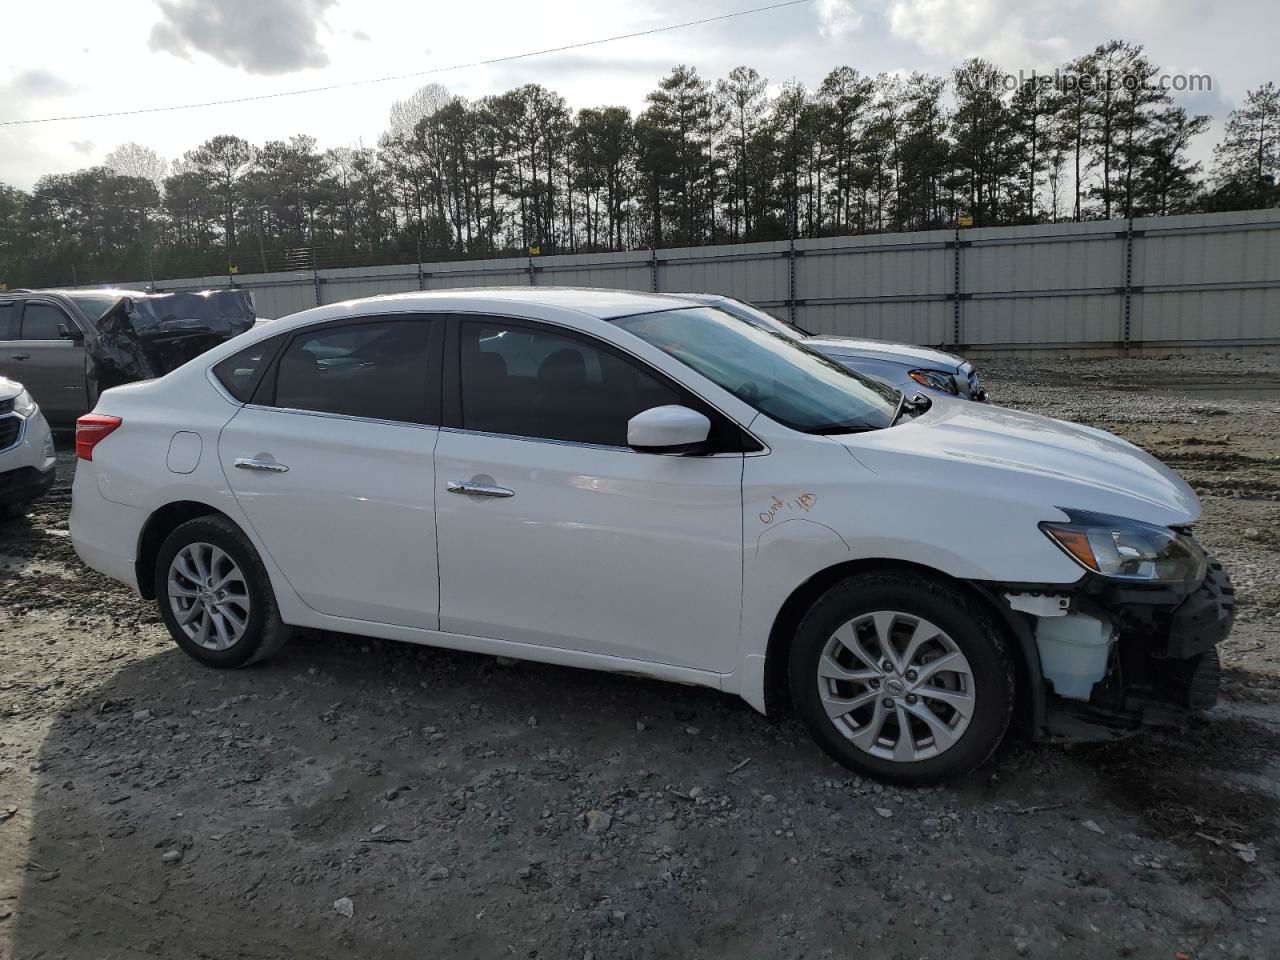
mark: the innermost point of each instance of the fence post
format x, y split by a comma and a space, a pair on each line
791, 278
955, 290
653, 270
1128, 283
532, 282
315, 277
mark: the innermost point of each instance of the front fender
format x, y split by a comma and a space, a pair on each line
786, 553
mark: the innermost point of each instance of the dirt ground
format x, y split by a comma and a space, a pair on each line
358, 798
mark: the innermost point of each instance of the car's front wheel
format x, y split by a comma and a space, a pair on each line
214, 594
902, 677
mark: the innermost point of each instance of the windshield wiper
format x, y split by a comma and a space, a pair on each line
830, 429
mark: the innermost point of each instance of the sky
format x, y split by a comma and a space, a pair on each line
98, 57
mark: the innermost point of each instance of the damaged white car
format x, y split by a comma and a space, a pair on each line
631, 483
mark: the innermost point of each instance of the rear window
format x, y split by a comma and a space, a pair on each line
240, 372
94, 305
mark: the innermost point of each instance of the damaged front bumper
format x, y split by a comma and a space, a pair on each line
1112, 658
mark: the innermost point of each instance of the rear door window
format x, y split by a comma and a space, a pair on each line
380, 369
8, 319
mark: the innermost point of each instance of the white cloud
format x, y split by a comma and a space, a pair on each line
1018, 34
38, 82
838, 18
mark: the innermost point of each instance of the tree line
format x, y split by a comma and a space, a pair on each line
704, 162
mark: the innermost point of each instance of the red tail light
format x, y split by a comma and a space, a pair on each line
90, 431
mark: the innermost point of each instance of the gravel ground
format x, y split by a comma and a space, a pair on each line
356, 798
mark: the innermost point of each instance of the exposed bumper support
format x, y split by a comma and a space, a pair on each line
1110, 659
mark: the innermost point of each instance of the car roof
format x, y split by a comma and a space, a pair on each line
593, 303
603, 304
94, 292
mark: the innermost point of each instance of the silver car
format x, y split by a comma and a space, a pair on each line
903, 366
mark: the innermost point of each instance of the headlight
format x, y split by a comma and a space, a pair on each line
936, 379
23, 405
1127, 549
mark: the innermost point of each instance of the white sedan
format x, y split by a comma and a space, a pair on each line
637, 484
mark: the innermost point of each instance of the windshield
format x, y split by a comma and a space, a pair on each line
753, 314
94, 305
777, 375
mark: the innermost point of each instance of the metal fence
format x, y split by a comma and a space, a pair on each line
1159, 283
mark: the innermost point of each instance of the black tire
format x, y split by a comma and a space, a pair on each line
969, 626
265, 633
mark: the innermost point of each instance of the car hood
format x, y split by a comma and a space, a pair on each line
886, 350
1031, 457
9, 388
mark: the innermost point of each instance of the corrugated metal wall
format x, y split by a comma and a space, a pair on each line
1160, 282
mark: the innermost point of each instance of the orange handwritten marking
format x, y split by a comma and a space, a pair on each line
805, 502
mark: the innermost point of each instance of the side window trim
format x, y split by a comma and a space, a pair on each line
451, 382
264, 395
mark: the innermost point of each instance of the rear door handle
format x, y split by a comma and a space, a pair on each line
470, 489
255, 463
20, 356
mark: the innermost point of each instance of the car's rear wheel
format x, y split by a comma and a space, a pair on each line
902, 677
214, 594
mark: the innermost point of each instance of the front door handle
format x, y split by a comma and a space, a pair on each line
255, 463
477, 489
20, 356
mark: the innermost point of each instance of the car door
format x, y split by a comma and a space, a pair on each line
48, 361
8, 327
553, 532
332, 463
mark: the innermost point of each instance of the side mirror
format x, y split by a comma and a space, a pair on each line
670, 430
74, 334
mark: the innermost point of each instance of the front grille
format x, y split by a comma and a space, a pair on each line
10, 430
6, 406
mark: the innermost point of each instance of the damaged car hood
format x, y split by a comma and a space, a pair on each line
142, 337
1072, 466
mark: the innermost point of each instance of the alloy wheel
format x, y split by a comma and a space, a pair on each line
896, 686
209, 596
